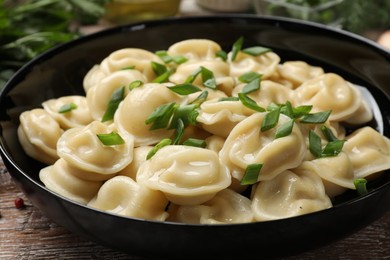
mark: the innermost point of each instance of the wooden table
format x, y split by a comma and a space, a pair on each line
27, 234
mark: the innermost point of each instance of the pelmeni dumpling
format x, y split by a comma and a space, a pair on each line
122, 195
247, 144
289, 194
134, 58
61, 178
99, 95
220, 117
265, 64
137, 106
369, 152
79, 116
336, 172
93, 77
139, 156
297, 72
195, 49
329, 92
186, 175
81, 148
226, 207
38, 134
215, 143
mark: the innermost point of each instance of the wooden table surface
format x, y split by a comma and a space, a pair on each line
27, 234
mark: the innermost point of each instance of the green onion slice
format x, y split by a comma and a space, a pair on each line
316, 118
208, 78
179, 59
249, 76
195, 142
191, 78
332, 148
315, 145
158, 68
271, 120
128, 68
67, 107
186, 113
179, 131
135, 84
285, 129
222, 54
361, 186
184, 89
164, 56
200, 99
287, 110
301, 111
252, 86
116, 98
164, 77
160, 116
161, 144
110, 139
256, 50
327, 132
250, 103
229, 98
251, 174
236, 48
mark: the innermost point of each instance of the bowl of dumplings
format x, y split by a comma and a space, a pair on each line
204, 135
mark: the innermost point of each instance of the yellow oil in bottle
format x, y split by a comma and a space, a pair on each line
125, 11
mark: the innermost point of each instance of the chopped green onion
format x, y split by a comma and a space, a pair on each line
158, 68
250, 103
251, 174
236, 48
191, 78
110, 139
287, 110
252, 86
361, 186
271, 120
285, 129
184, 89
222, 54
163, 55
333, 148
229, 99
256, 50
135, 84
67, 107
249, 76
128, 68
163, 77
179, 59
160, 116
186, 113
161, 144
116, 98
200, 99
301, 111
315, 145
208, 78
179, 131
195, 142
316, 118
272, 106
330, 137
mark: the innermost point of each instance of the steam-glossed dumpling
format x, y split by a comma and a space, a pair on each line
247, 144
289, 194
93, 77
186, 175
369, 152
329, 92
81, 148
265, 64
226, 207
79, 116
195, 49
297, 72
130, 58
38, 134
136, 108
123, 196
98, 97
219, 117
63, 179
139, 156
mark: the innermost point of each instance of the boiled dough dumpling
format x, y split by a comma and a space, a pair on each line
368, 150
93, 77
137, 106
297, 72
79, 116
226, 207
139, 156
81, 148
61, 178
122, 195
247, 144
195, 49
38, 134
329, 92
289, 194
186, 175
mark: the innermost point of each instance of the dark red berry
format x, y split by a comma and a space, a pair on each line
19, 203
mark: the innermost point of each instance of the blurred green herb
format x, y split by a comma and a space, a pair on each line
30, 27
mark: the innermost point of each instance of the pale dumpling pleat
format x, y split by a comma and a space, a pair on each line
265, 64
38, 134
93, 77
247, 144
227, 207
329, 92
220, 117
135, 109
214, 143
122, 195
99, 95
289, 194
138, 59
81, 148
369, 152
186, 175
297, 72
76, 117
195, 49
61, 179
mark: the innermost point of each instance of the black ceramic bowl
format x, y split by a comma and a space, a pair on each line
60, 71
